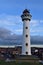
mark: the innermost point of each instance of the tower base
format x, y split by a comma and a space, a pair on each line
26, 58
25, 54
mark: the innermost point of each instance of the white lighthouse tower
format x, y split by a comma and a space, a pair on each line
26, 17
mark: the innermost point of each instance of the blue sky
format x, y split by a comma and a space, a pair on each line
11, 10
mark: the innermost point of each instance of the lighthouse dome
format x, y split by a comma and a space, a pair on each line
26, 11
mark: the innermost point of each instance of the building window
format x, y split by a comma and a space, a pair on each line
26, 52
26, 44
26, 27
26, 35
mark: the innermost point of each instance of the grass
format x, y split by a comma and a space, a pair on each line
18, 63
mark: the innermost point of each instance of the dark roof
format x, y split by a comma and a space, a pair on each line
26, 11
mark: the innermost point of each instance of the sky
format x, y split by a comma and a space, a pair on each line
10, 16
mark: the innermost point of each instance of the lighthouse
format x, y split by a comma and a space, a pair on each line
26, 17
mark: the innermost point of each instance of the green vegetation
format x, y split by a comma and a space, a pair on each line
18, 63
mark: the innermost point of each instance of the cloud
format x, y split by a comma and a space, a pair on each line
15, 24
36, 27
10, 22
19, 31
4, 33
6, 38
7, 34
34, 23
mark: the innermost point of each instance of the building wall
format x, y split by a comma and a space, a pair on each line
18, 50
4, 52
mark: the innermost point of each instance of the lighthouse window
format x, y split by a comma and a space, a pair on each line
26, 27
26, 35
26, 52
26, 44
